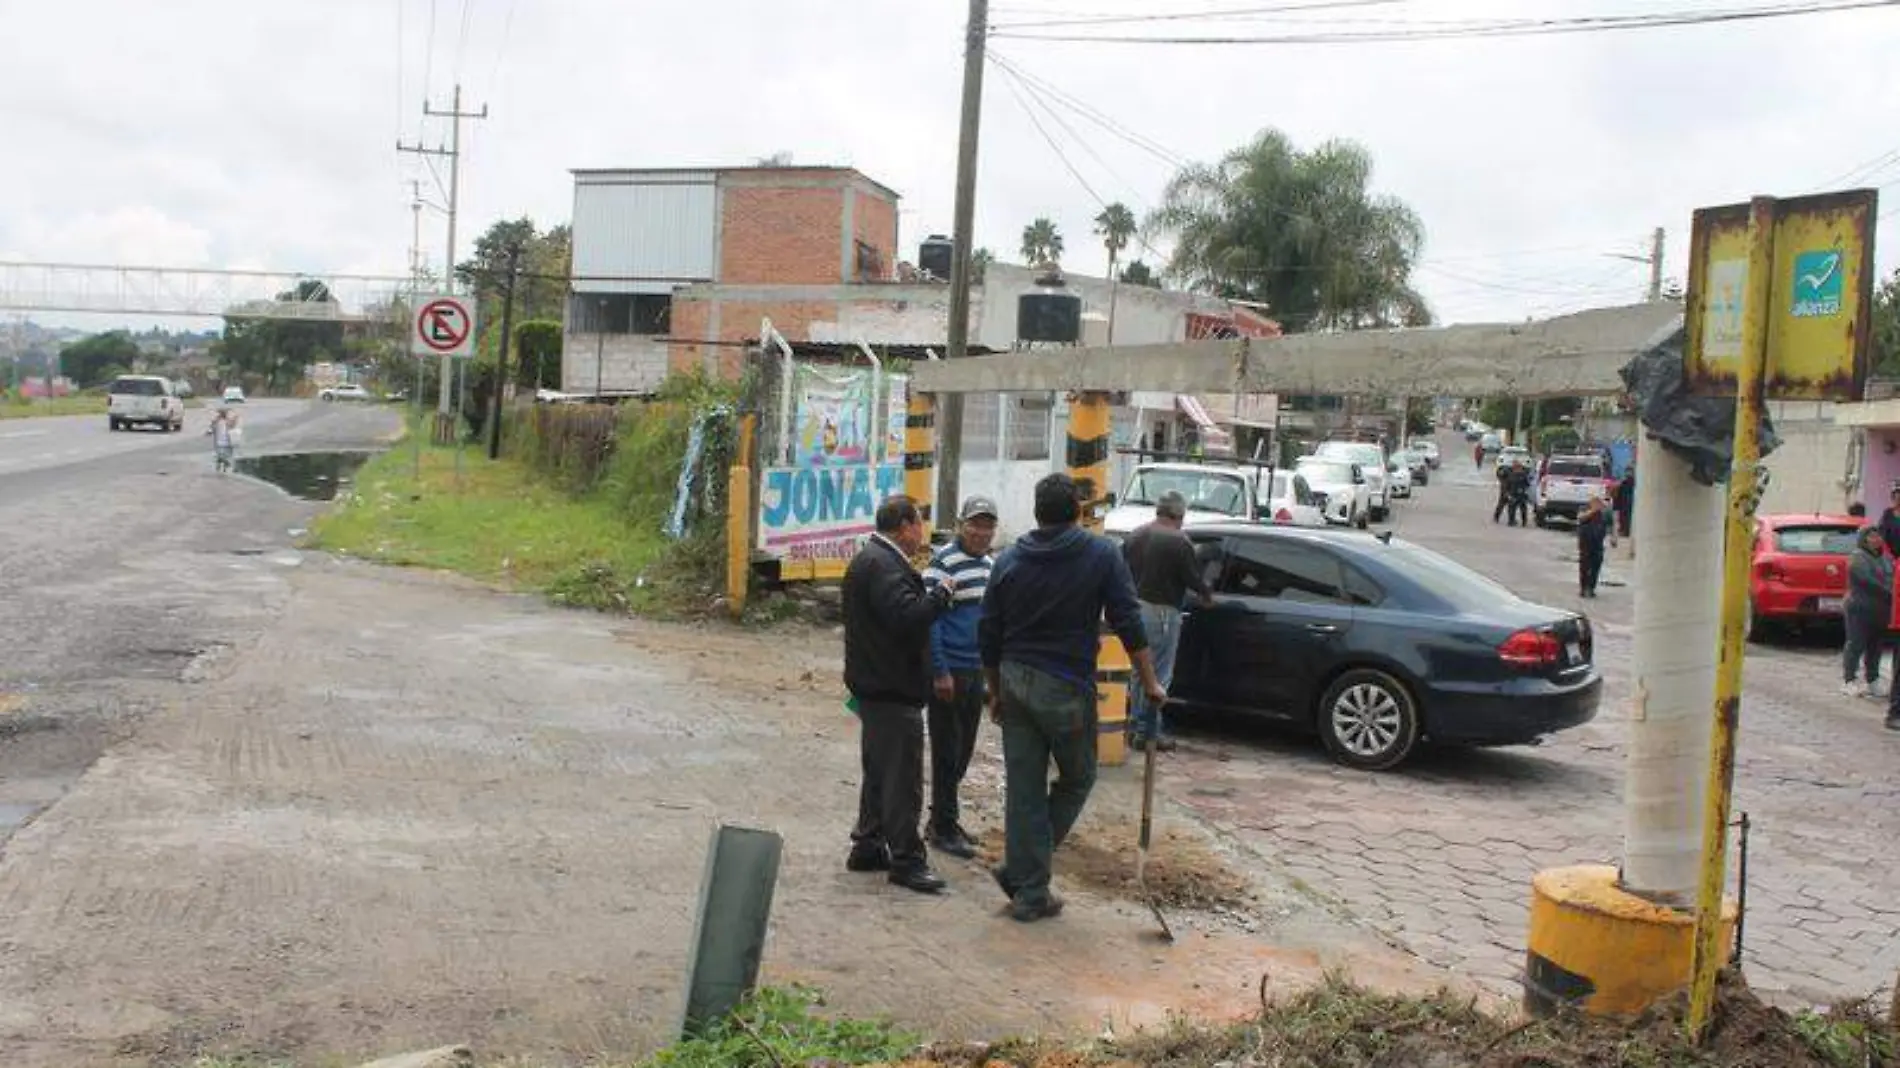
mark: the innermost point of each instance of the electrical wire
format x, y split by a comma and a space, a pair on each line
507, 25
461, 44
1501, 28
1182, 16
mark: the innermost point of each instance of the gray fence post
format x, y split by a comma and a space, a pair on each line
735, 905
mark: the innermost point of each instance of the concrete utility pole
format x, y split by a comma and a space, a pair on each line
1654, 260
453, 152
950, 406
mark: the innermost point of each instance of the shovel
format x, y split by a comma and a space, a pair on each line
1141, 840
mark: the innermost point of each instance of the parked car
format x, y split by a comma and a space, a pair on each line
1489, 441
1372, 461
1343, 496
1567, 485
1214, 492
181, 389
1476, 431
233, 395
1511, 454
1416, 463
143, 400
350, 392
1425, 448
1375, 643
1398, 479
1290, 498
1798, 571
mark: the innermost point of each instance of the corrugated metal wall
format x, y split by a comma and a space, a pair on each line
644, 233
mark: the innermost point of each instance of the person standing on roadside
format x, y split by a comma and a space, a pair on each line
956, 702
1161, 560
1040, 632
1623, 500
1869, 599
888, 612
1593, 529
1889, 525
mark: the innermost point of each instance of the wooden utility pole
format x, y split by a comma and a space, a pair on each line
453, 153
950, 407
501, 353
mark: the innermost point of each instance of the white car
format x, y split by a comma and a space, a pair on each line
1372, 461
350, 392
1290, 500
1214, 494
1398, 480
233, 395
1344, 497
1426, 448
144, 400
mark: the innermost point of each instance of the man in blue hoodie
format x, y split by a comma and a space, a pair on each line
1039, 634
956, 701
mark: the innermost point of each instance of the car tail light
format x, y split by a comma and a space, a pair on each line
1770, 571
1531, 648
1283, 516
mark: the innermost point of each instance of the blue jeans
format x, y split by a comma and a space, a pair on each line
1163, 625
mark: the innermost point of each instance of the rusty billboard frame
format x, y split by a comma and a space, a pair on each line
1850, 212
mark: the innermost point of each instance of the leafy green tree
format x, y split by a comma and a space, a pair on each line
1115, 225
1299, 231
1138, 273
93, 361
980, 261
1886, 325
271, 354
537, 358
1042, 243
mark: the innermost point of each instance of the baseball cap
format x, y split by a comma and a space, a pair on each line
976, 506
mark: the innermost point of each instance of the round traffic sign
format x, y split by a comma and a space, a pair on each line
443, 325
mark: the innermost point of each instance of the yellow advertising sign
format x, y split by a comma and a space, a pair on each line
1820, 296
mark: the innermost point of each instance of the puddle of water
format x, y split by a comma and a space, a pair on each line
314, 476
12, 816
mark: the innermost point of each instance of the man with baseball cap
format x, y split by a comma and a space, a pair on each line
957, 697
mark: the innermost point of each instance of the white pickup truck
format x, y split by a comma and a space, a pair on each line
144, 400
1567, 485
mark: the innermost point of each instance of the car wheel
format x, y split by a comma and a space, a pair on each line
1542, 520
1379, 514
1754, 627
1368, 720
112, 425
1363, 522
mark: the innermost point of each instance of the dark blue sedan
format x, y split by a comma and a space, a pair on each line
1376, 643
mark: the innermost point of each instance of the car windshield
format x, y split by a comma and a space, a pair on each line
138, 387
1819, 539
1327, 471
1205, 491
1576, 469
1453, 583
1350, 450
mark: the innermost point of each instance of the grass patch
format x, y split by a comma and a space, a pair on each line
776, 1028
15, 407
502, 522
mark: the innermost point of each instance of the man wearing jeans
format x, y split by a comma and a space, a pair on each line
1041, 626
1163, 564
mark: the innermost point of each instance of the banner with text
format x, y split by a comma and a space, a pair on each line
822, 512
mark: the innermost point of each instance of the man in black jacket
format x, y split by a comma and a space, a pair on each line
887, 617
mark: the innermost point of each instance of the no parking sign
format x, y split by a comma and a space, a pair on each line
444, 326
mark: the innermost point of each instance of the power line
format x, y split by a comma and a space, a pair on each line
507, 24
461, 44
1495, 29
1210, 16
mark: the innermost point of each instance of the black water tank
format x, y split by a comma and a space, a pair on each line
934, 256
1048, 316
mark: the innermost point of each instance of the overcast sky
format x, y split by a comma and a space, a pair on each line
232, 133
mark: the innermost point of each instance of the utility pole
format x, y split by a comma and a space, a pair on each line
950, 405
453, 153
501, 354
1654, 261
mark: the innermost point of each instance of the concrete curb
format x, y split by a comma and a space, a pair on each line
442, 1057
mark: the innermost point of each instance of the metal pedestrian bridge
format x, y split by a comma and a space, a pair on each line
195, 292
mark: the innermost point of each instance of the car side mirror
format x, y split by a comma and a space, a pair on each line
1358, 475
1109, 500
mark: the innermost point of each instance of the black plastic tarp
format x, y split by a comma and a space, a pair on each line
1699, 429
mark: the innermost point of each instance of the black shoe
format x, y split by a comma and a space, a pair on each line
1164, 744
864, 860
1893, 723
1031, 911
1003, 883
922, 880
954, 843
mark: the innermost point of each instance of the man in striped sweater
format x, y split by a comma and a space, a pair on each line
956, 704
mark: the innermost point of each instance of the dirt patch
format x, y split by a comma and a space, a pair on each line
1183, 872
1337, 1024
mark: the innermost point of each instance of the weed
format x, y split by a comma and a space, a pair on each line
1848, 1036
777, 1027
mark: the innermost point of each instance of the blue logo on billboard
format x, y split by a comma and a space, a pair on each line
1817, 284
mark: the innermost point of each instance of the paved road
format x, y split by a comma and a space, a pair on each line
1440, 854
123, 561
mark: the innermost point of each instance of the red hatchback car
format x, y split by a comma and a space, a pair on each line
1799, 572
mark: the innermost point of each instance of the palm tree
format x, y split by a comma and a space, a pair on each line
1042, 243
1115, 225
1298, 231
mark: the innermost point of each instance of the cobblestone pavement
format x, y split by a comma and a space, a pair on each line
1440, 853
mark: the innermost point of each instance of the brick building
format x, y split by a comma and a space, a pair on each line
668, 261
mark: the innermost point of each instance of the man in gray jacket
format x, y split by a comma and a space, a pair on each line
1869, 604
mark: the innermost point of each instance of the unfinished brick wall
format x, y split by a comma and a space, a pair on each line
874, 222
781, 235
691, 319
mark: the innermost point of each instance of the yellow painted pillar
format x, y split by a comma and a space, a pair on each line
739, 519
1598, 947
920, 451
1087, 457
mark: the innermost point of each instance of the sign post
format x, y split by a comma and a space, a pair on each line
443, 327
1780, 294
